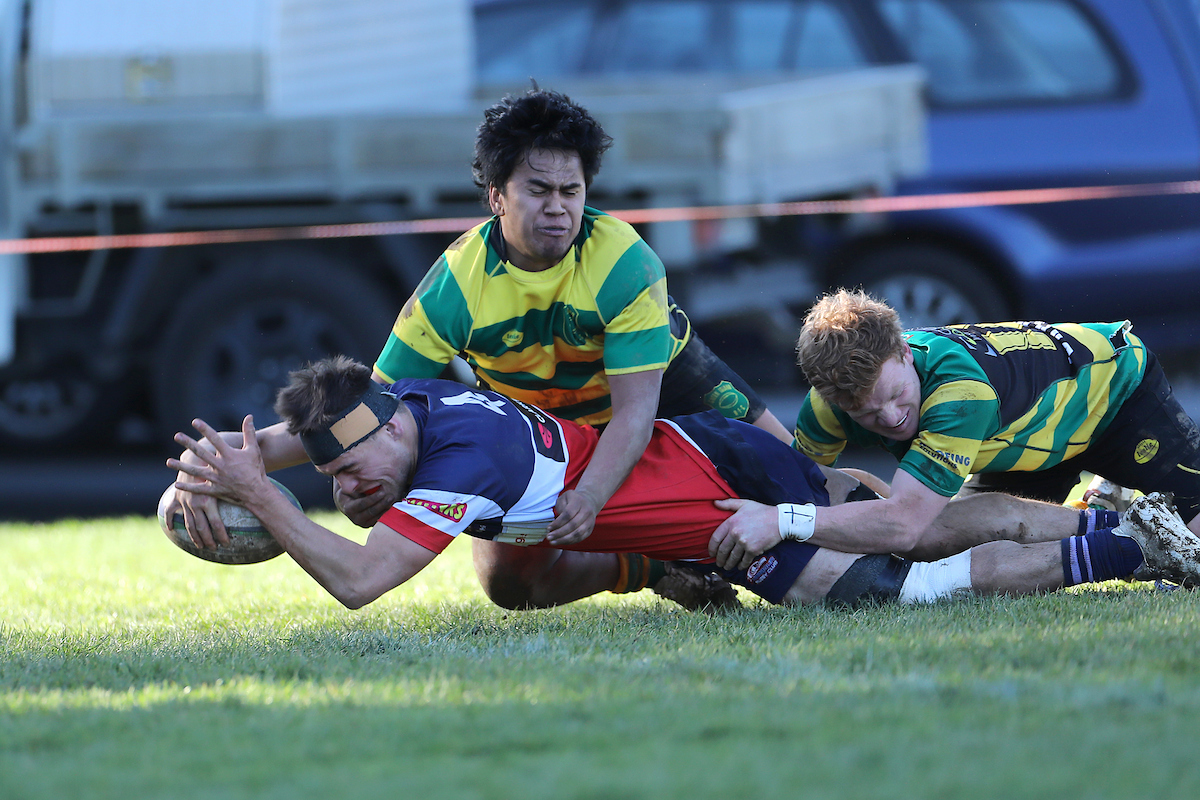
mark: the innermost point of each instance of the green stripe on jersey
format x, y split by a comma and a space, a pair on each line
538, 327
638, 348
637, 268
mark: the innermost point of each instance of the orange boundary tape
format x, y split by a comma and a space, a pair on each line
62, 244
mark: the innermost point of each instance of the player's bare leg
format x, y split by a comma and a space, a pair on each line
995, 568
822, 572
975, 519
524, 578
1011, 568
992, 568
537, 577
972, 519
1151, 540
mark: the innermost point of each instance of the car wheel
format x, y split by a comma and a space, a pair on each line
929, 286
55, 408
237, 335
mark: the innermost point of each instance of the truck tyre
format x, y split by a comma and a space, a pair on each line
928, 286
58, 407
236, 336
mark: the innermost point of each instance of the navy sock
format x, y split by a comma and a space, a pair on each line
1098, 556
1095, 519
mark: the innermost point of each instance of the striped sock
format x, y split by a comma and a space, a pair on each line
1095, 519
636, 572
1098, 556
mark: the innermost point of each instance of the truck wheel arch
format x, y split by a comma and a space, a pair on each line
237, 333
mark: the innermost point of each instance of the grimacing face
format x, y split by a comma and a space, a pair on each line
893, 408
384, 462
541, 208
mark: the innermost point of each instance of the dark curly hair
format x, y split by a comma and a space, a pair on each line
538, 119
316, 392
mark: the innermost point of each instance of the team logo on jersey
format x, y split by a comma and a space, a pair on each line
451, 511
474, 398
728, 400
1146, 449
569, 329
512, 338
761, 569
545, 432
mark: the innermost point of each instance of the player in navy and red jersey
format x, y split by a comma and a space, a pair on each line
457, 460
494, 468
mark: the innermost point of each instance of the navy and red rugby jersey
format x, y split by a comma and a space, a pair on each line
491, 467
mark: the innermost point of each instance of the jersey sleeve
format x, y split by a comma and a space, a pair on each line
633, 301
819, 433
415, 530
433, 518
955, 419
431, 329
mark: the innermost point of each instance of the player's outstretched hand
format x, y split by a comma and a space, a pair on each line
200, 515
574, 517
233, 474
751, 531
364, 510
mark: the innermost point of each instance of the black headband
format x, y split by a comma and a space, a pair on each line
352, 425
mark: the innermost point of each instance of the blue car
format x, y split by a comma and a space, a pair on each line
1021, 93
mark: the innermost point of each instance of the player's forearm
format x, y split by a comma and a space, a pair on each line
616, 453
346, 569
872, 526
279, 448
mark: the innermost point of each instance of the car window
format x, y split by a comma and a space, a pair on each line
515, 41
662, 37
520, 42
1004, 51
786, 35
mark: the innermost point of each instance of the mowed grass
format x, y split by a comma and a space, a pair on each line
131, 670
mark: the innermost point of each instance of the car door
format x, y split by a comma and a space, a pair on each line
1043, 93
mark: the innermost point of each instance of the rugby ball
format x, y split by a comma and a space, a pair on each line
249, 540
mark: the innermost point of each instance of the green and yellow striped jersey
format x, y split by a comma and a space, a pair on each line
997, 397
547, 338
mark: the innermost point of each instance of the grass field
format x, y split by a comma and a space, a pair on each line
131, 670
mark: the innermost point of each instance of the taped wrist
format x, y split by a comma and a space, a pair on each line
797, 522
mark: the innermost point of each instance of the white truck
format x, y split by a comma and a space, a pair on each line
133, 116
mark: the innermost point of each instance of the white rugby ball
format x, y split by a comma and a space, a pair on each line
249, 540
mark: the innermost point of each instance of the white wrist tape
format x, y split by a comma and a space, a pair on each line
798, 522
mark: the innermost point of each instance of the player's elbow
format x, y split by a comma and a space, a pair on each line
355, 598
357, 591
903, 536
903, 539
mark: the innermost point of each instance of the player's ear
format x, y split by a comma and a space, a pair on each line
495, 200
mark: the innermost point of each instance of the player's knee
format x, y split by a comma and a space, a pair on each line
511, 576
508, 593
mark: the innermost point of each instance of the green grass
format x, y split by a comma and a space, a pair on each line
131, 670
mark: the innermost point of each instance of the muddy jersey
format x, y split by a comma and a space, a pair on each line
997, 397
492, 467
547, 338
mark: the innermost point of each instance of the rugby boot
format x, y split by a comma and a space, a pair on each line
1170, 550
695, 589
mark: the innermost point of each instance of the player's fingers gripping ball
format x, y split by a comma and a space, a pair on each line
249, 540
